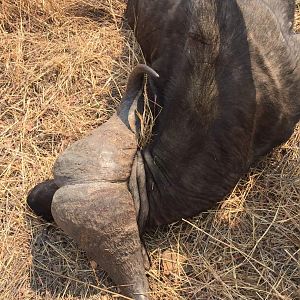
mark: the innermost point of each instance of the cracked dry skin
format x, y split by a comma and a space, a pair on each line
95, 208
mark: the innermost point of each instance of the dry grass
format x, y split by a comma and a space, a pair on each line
63, 67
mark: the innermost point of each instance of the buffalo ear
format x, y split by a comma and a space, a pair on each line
133, 94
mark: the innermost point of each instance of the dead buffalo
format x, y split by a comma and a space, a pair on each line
227, 77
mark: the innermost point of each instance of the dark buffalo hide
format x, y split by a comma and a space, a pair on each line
229, 90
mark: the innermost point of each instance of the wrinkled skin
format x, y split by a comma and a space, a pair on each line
229, 89
229, 86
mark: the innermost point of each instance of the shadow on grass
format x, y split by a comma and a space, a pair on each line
59, 268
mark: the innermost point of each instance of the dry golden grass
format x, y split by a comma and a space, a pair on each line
63, 68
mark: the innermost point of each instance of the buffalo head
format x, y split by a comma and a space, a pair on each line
228, 97
89, 197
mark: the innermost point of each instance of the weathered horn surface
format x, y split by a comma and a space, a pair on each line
94, 206
106, 154
101, 218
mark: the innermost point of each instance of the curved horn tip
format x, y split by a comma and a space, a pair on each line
148, 70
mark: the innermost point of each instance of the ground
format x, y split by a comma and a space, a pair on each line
63, 68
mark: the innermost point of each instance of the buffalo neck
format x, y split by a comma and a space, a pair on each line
218, 117
202, 146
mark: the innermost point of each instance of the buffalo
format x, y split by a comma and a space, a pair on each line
225, 75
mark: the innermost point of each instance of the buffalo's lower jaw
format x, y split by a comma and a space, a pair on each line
101, 218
